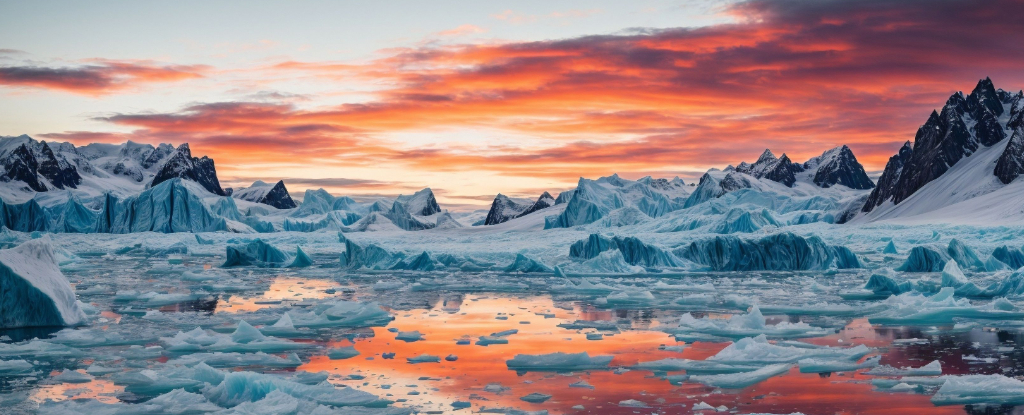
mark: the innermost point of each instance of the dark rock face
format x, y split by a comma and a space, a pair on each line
278, 197
781, 169
35, 164
1011, 162
503, 209
945, 139
182, 164
890, 178
544, 201
839, 166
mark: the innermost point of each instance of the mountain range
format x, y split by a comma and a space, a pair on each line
966, 157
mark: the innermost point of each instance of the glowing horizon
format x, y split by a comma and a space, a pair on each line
486, 99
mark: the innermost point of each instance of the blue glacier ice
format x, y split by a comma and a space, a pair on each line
171, 206
24, 217
35, 293
634, 251
924, 259
256, 253
1010, 256
890, 248
778, 252
523, 263
371, 257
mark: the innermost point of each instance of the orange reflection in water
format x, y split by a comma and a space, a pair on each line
99, 389
478, 366
282, 289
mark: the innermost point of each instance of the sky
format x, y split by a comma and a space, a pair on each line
477, 98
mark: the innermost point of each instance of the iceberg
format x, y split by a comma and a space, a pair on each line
890, 248
1012, 257
525, 264
256, 253
35, 292
171, 206
779, 252
633, 250
924, 259
370, 257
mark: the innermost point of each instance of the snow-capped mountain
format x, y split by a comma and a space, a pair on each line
835, 166
36, 165
505, 208
181, 164
261, 192
962, 165
421, 203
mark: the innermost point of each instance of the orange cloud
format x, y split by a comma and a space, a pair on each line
798, 77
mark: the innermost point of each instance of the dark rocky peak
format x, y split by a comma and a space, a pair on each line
181, 164
543, 202
766, 156
278, 197
58, 172
985, 95
839, 166
504, 208
36, 164
886, 186
782, 170
157, 155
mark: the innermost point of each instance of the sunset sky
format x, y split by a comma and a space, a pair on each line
474, 98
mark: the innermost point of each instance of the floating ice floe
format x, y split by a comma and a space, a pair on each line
941, 308
245, 338
931, 369
341, 314
558, 362
828, 365
740, 326
742, 379
980, 389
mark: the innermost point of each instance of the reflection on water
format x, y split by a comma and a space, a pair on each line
479, 374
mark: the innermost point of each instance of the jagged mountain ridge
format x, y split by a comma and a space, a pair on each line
963, 126
272, 195
961, 160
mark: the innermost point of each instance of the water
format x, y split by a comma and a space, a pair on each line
448, 307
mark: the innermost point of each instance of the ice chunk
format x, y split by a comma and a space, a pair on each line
980, 389
1010, 256
424, 358
14, 367
828, 365
235, 359
633, 403
890, 248
557, 362
257, 253
240, 387
245, 339
924, 259
338, 314
342, 353
940, 308
301, 259
757, 350
35, 293
409, 336
931, 369
952, 276
742, 379
536, 397
525, 264
71, 376
740, 326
